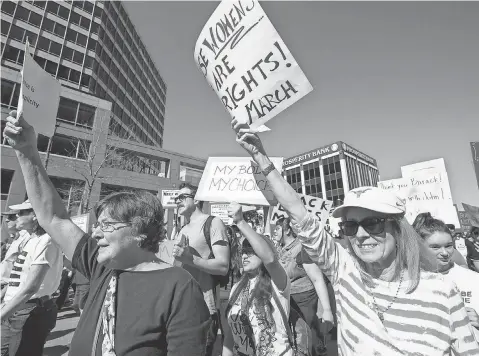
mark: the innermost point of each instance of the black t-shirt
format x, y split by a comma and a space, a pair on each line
159, 313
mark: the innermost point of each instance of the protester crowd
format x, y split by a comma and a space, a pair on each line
381, 287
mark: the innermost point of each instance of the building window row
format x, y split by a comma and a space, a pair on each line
53, 27
10, 94
76, 37
80, 20
49, 46
352, 173
40, 4
66, 146
148, 65
20, 34
28, 16
130, 161
84, 5
58, 10
7, 176
8, 7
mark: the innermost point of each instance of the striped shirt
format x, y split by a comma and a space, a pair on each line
430, 321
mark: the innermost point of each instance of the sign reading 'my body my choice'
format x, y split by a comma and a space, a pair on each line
247, 64
39, 96
236, 179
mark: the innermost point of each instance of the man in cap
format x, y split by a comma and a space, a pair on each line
34, 277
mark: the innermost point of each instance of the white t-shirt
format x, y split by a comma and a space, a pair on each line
277, 340
11, 255
468, 283
38, 250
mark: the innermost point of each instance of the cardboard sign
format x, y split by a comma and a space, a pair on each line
165, 252
316, 206
236, 179
472, 213
82, 221
424, 192
39, 96
464, 220
247, 64
221, 211
168, 198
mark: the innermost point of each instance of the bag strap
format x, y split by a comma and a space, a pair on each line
207, 233
234, 296
285, 318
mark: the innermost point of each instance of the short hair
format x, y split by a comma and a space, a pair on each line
426, 225
193, 189
142, 209
285, 224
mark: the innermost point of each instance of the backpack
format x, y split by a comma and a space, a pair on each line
221, 280
299, 332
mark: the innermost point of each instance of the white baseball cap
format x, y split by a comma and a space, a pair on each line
371, 198
26, 205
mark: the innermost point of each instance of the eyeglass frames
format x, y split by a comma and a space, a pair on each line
108, 226
373, 226
182, 197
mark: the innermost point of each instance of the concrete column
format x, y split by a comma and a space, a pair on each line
303, 183
323, 183
344, 175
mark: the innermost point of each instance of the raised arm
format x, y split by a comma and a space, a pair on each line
285, 194
260, 246
46, 202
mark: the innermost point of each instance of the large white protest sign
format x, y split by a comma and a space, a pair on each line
239, 179
82, 221
168, 198
221, 211
314, 205
247, 64
424, 192
39, 96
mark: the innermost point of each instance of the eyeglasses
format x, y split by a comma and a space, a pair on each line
11, 217
108, 226
182, 197
373, 226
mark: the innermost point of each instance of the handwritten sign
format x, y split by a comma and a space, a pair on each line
221, 211
247, 64
168, 198
39, 96
424, 192
472, 213
165, 251
464, 219
82, 221
238, 179
314, 205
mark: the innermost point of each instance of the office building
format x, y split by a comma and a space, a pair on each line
329, 172
92, 47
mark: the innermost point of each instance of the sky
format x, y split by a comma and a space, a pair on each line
398, 81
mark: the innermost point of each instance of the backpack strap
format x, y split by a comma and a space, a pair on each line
234, 296
284, 317
207, 233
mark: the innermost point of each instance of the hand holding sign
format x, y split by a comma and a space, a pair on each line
235, 212
181, 251
247, 139
19, 133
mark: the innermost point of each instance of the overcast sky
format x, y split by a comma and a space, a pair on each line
396, 80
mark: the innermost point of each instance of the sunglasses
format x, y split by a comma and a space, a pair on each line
182, 197
11, 217
374, 226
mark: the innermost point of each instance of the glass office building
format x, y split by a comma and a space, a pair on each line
92, 47
329, 172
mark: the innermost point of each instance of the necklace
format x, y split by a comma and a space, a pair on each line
391, 302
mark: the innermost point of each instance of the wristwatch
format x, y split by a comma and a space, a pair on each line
268, 169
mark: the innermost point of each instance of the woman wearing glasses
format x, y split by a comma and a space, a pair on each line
388, 299
137, 304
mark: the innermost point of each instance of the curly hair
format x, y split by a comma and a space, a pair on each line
142, 209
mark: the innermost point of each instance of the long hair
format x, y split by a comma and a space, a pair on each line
425, 225
285, 224
411, 255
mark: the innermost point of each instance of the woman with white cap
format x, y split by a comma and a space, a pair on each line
389, 300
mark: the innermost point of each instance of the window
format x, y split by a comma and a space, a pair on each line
51, 67
84, 22
67, 110
7, 176
94, 27
59, 30
8, 7
48, 25
75, 18
88, 62
55, 48
81, 40
8, 88
96, 12
71, 192
85, 80
88, 7
52, 7
43, 43
63, 72
71, 35
17, 33
67, 53
86, 114
63, 12
91, 44
5, 27
13, 54
78, 57
74, 76
40, 4
22, 13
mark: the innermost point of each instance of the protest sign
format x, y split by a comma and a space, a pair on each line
247, 64
466, 223
39, 96
424, 192
314, 205
168, 198
165, 251
221, 211
472, 213
82, 221
236, 179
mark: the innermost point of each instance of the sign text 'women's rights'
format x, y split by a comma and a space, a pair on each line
236, 179
247, 64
